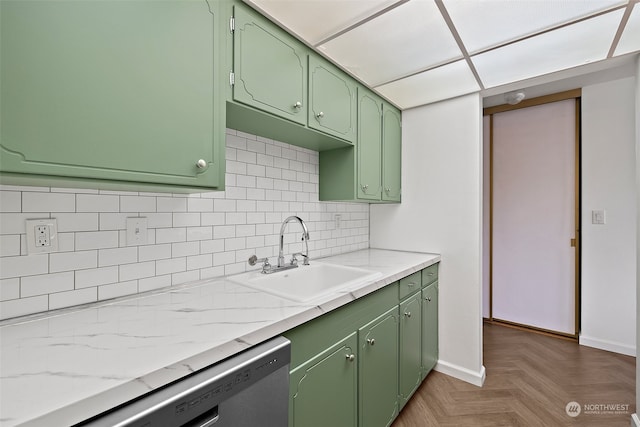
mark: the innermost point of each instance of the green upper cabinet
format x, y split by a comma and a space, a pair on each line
369, 147
391, 153
323, 391
370, 171
378, 370
111, 94
332, 100
270, 67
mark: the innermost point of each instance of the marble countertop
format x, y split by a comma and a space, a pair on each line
63, 367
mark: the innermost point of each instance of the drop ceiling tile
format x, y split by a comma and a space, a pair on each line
440, 83
315, 20
630, 40
410, 38
489, 23
556, 50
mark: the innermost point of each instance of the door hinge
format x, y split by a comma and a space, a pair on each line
232, 78
232, 24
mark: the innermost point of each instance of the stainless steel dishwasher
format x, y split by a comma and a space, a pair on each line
247, 390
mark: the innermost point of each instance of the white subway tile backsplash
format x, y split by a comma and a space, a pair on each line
96, 277
116, 290
46, 284
9, 289
137, 204
97, 203
185, 249
186, 219
10, 201
154, 252
138, 270
96, 240
71, 298
173, 265
23, 306
108, 257
70, 261
48, 202
190, 236
10, 245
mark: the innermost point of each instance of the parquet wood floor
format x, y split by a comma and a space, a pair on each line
530, 380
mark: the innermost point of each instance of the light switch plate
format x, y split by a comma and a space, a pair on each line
42, 235
137, 231
598, 217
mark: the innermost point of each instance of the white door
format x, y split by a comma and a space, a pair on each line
534, 202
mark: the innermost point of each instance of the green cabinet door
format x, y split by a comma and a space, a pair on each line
369, 147
378, 370
332, 100
429, 327
410, 349
111, 90
270, 67
391, 153
323, 391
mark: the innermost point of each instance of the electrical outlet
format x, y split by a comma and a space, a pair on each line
137, 233
42, 235
599, 217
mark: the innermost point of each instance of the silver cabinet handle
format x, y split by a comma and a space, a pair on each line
431, 273
428, 299
407, 314
371, 341
320, 115
411, 284
201, 164
350, 357
297, 105
364, 187
388, 190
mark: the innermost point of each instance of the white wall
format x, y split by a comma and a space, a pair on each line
608, 182
635, 419
191, 237
441, 212
486, 217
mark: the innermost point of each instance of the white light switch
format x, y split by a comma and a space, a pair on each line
598, 217
42, 235
136, 231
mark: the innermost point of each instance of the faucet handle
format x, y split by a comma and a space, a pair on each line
294, 260
266, 267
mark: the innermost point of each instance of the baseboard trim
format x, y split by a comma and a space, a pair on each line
635, 421
607, 345
464, 374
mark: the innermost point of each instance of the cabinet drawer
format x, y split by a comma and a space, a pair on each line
430, 274
409, 285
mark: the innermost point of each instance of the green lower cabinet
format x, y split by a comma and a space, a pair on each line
410, 349
323, 391
429, 328
378, 376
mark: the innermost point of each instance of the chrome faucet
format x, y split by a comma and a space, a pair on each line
305, 237
268, 268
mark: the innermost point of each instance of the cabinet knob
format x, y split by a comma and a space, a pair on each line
371, 341
351, 357
201, 164
320, 115
297, 105
428, 299
364, 187
407, 314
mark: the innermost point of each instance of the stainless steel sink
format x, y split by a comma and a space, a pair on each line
307, 282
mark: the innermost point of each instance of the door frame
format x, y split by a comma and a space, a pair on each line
575, 94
